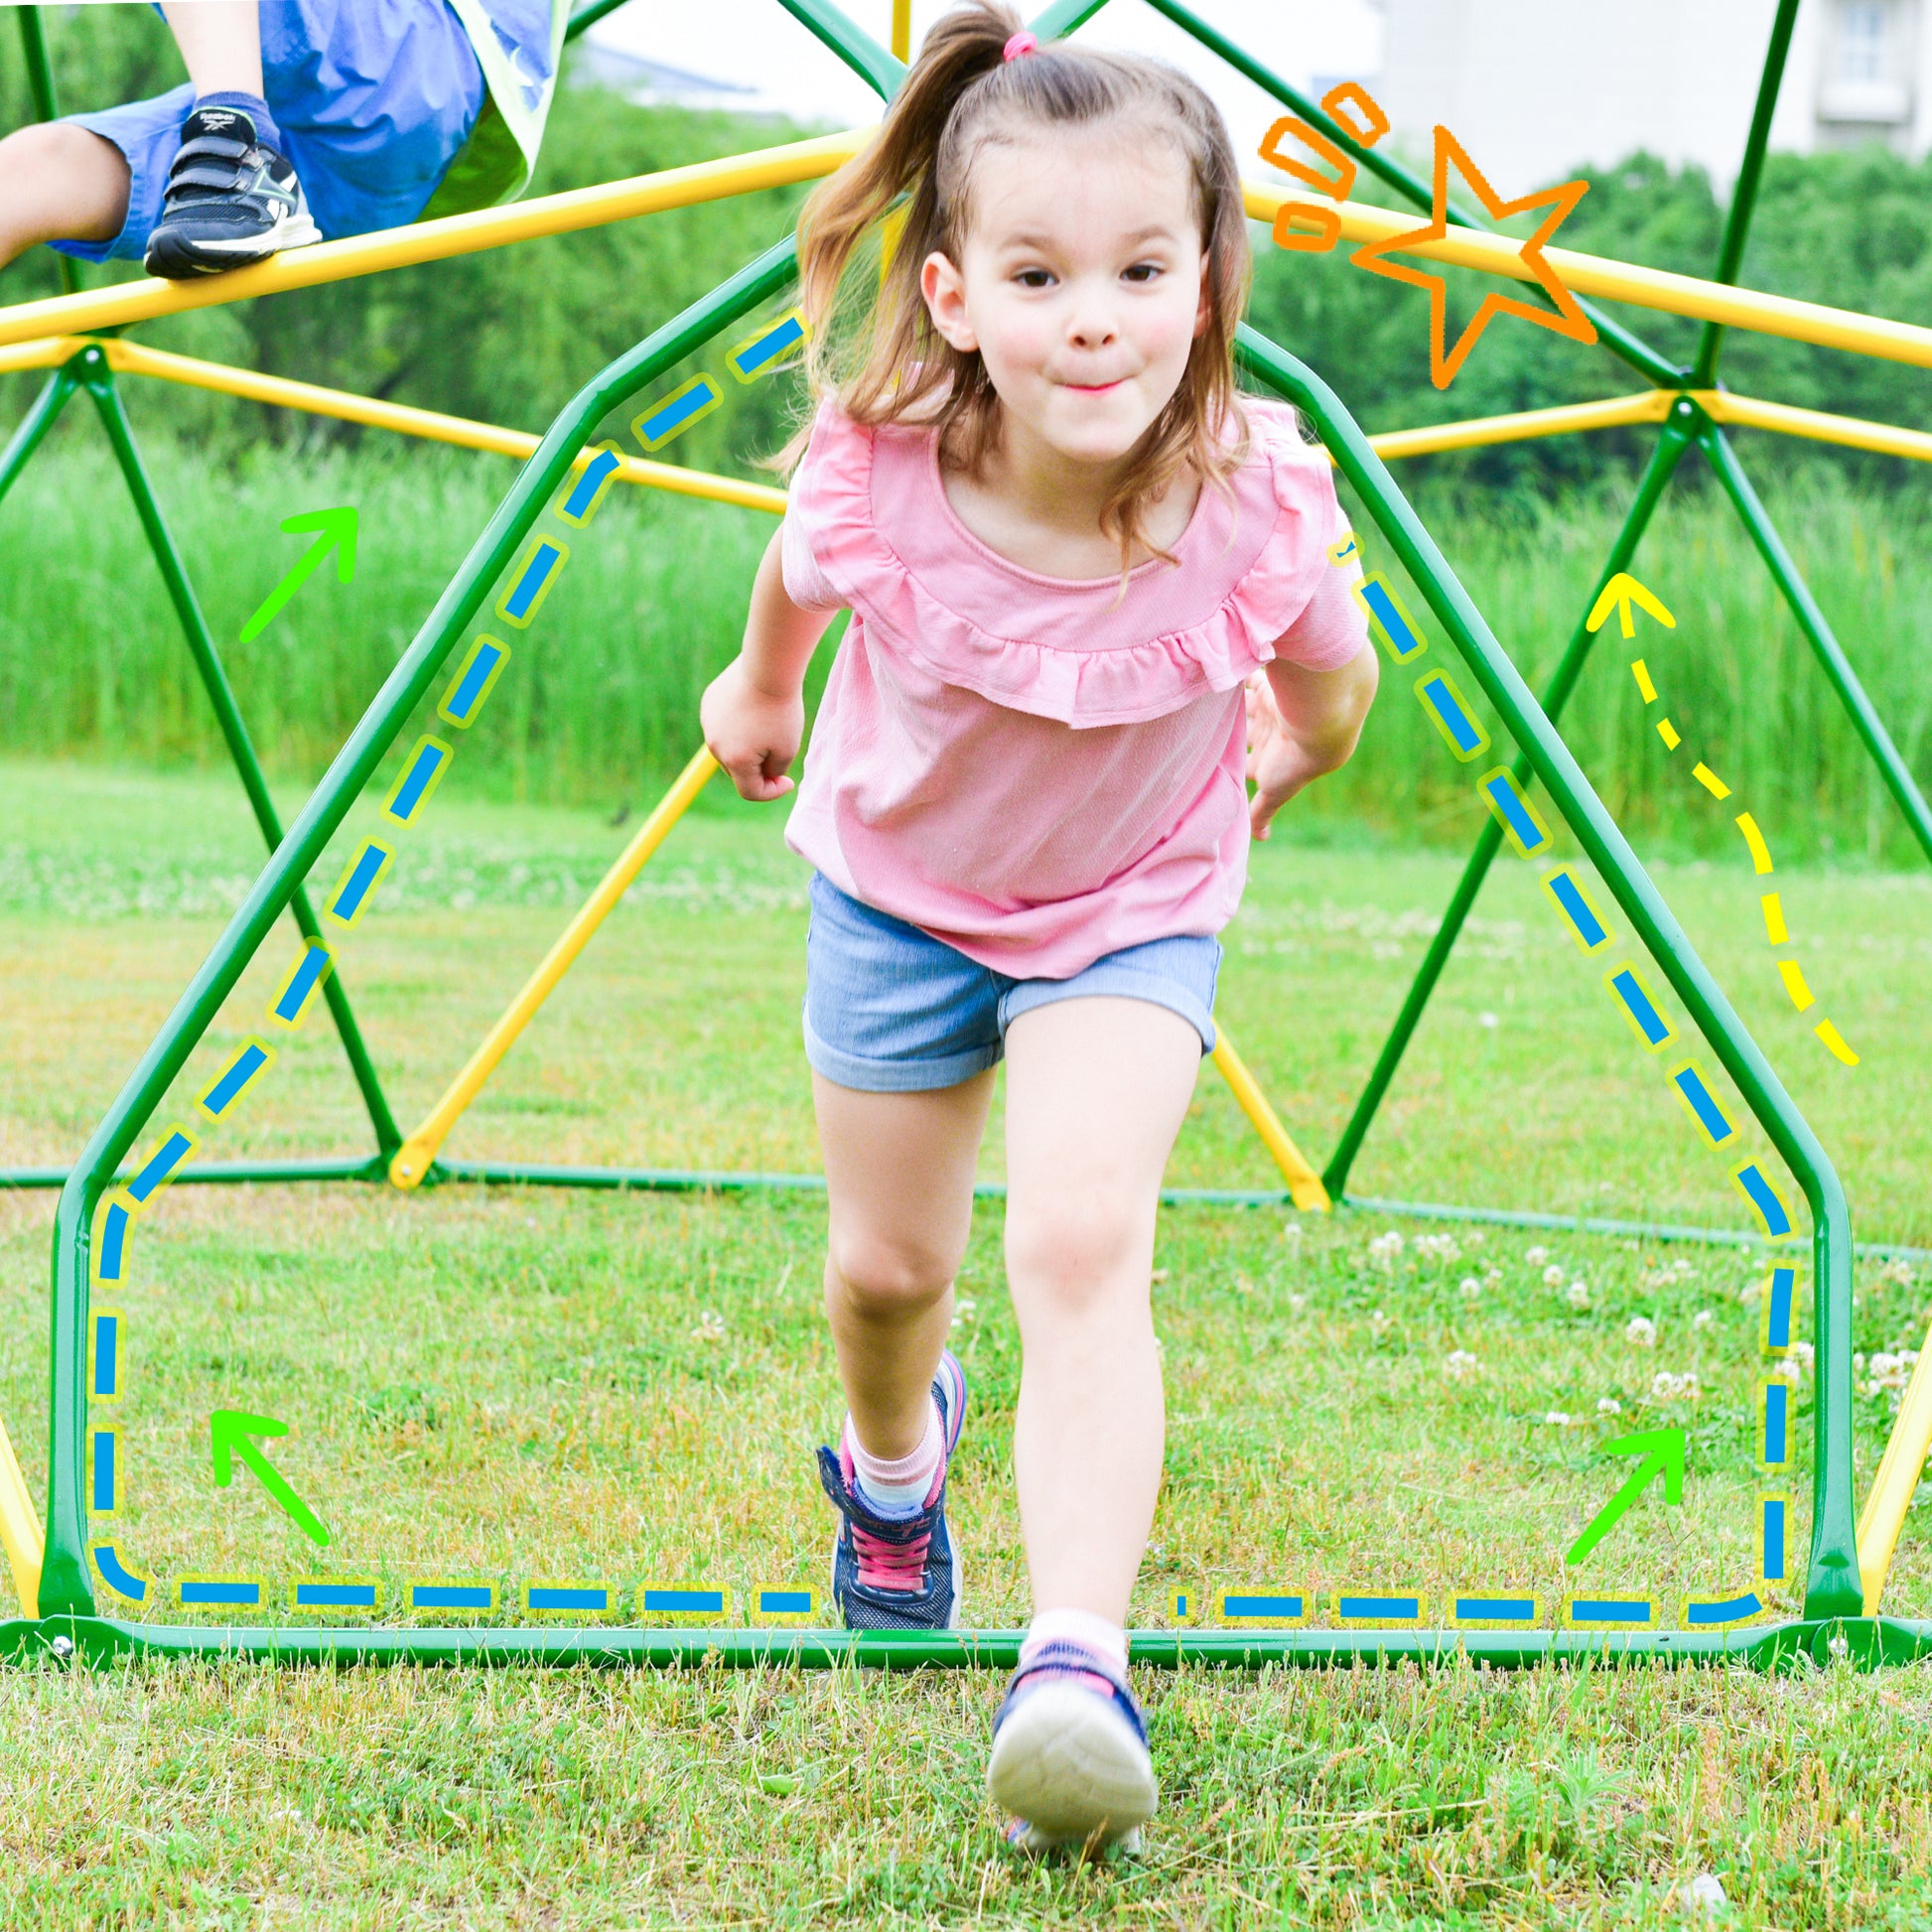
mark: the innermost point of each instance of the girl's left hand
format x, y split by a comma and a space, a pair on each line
1278, 762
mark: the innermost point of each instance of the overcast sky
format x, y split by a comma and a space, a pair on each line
757, 43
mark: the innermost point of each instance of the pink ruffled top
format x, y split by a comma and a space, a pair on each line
1022, 765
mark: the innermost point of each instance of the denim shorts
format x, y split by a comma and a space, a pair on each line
890, 1009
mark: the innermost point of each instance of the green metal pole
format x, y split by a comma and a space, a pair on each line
47, 105
1664, 458
1054, 22
1831, 1587
67, 1585
1825, 646
99, 381
103, 1640
34, 426
1621, 342
588, 16
1744, 198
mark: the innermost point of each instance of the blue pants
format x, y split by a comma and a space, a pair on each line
374, 99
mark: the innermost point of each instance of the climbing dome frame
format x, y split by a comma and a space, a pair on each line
78, 337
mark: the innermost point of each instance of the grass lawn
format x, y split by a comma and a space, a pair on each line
526, 1384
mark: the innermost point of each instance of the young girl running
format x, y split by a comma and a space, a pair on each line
1090, 589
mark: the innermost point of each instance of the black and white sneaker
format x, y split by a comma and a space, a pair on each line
231, 200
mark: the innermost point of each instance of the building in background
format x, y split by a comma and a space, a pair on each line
1538, 90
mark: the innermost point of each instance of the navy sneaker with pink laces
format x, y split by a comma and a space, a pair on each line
1070, 1761
897, 1573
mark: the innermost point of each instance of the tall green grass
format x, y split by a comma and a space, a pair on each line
602, 704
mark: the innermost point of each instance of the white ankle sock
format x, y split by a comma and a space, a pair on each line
1104, 1637
898, 1487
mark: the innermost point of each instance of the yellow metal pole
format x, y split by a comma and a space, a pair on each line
412, 1160
135, 358
1647, 288
1883, 1515
40, 355
1852, 431
20, 1530
902, 30
1303, 1184
1651, 406
429, 242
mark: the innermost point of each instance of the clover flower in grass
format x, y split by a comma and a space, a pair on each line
1536, 1256
1379, 1325
1642, 1331
1802, 1353
1578, 1294
1702, 1320
1384, 1248
1558, 1419
1785, 1371
1438, 1247
1468, 1287
1890, 1372
1458, 1365
1293, 1233
1298, 1304
1609, 1405
1552, 1276
711, 1326
1666, 1387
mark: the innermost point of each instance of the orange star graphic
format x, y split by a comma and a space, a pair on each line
1569, 319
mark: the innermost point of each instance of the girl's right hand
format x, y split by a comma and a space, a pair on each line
753, 733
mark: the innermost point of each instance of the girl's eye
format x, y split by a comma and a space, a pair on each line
1144, 272
1033, 278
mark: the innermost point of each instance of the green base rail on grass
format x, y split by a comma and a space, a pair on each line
1833, 1596
95, 1640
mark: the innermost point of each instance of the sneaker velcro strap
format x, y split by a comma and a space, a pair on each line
216, 181
230, 146
217, 148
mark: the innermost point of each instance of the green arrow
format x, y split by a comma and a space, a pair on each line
1662, 1450
229, 1430
337, 526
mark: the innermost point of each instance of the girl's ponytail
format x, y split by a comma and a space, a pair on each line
960, 47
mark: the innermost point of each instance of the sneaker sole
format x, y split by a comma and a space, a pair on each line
174, 259
1067, 1765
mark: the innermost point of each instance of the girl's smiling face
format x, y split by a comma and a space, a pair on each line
1081, 284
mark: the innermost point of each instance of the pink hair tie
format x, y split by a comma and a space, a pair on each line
1022, 43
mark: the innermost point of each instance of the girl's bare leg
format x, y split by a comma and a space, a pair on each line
59, 182
220, 43
1096, 1091
898, 1168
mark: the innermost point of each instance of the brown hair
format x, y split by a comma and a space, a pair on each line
961, 94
